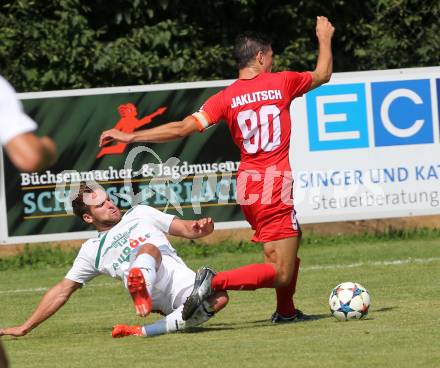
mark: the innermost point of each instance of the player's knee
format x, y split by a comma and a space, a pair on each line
219, 300
283, 278
270, 254
152, 250
223, 299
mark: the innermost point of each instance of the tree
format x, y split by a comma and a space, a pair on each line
62, 44
402, 33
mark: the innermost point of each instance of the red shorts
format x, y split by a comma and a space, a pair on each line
268, 207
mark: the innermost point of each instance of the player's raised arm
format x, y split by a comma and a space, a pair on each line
163, 133
324, 64
51, 302
191, 229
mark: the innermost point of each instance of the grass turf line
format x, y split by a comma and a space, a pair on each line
43, 255
401, 330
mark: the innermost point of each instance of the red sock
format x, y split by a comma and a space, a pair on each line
249, 277
285, 305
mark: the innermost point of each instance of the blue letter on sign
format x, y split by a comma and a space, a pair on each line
402, 112
337, 117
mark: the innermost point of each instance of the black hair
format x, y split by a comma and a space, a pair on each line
247, 45
78, 205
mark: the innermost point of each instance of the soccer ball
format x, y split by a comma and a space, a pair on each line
349, 300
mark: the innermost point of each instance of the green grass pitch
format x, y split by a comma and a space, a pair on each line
401, 330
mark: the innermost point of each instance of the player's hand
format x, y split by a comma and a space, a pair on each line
114, 135
13, 331
324, 29
204, 226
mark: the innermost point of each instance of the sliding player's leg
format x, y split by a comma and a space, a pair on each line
174, 321
142, 277
280, 271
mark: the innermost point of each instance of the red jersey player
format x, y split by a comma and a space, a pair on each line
256, 109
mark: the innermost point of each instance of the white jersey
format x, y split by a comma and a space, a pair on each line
109, 253
13, 121
112, 253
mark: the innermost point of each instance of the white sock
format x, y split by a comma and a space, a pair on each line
170, 323
173, 322
147, 265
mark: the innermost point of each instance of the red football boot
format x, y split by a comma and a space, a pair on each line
125, 330
138, 291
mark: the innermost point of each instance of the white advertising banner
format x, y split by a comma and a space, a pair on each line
366, 145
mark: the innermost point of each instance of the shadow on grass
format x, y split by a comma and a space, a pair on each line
253, 324
212, 327
313, 317
220, 327
383, 309
370, 316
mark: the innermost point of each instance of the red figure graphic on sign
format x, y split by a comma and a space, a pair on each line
128, 124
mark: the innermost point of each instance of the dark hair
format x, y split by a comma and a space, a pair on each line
247, 45
78, 205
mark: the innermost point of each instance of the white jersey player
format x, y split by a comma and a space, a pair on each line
134, 249
25, 149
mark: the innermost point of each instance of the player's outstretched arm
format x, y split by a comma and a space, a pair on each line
324, 64
163, 133
51, 302
31, 153
191, 229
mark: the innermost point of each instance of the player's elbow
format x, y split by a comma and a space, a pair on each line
326, 78
177, 130
323, 76
182, 132
320, 77
66, 288
187, 127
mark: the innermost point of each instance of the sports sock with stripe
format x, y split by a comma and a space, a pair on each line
173, 322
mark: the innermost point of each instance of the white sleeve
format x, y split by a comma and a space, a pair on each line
82, 270
13, 121
158, 218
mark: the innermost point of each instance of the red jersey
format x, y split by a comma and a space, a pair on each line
257, 113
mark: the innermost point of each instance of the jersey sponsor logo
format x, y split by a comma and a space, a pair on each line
119, 240
124, 257
126, 251
379, 114
247, 98
134, 243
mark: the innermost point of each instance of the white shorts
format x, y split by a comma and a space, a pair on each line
174, 283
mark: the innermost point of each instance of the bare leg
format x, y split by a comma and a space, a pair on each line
282, 254
287, 271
